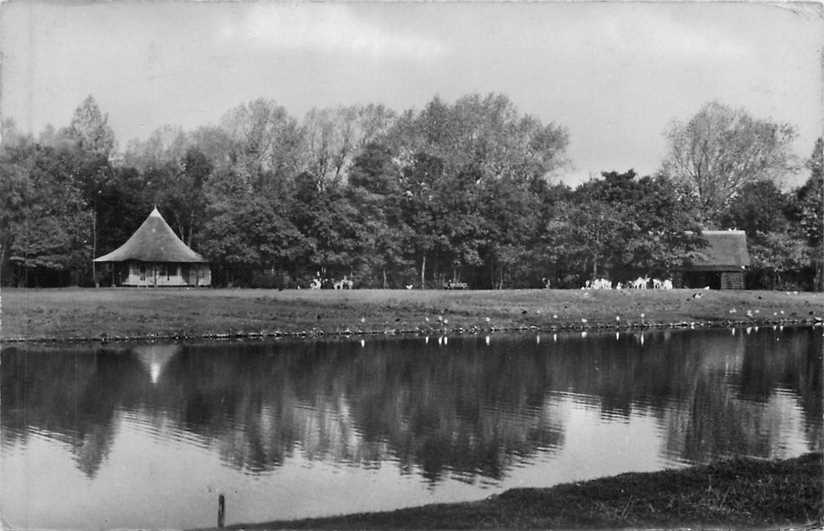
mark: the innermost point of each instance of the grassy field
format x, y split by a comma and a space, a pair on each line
740, 493
123, 313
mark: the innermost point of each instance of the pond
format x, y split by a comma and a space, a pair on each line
132, 436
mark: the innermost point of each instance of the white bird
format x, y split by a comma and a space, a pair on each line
555, 316
488, 319
583, 320
618, 318
733, 310
363, 319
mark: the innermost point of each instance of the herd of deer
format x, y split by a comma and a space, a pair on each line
344, 283
598, 283
638, 283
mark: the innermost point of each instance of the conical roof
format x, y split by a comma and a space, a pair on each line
153, 241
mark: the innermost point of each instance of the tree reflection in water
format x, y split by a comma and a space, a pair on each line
465, 410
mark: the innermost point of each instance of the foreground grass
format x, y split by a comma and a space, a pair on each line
739, 493
124, 313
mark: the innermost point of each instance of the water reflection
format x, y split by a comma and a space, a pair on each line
472, 409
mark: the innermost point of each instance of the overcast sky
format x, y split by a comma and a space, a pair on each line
614, 74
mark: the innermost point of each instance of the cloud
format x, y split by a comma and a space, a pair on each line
325, 28
665, 36
640, 31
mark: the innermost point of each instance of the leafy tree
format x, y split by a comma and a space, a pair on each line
375, 192
265, 143
459, 222
46, 228
777, 257
810, 198
216, 144
334, 137
90, 142
808, 212
327, 220
15, 187
541, 259
165, 145
268, 241
508, 207
720, 149
183, 195
420, 179
759, 207
587, 234
89, 127
485, 134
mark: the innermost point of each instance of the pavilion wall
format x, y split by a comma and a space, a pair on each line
164, 274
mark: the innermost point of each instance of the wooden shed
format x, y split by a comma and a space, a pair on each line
154, 256
721, 264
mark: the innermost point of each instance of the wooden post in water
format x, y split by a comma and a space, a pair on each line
221, 510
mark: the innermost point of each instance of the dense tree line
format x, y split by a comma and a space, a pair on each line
463, 191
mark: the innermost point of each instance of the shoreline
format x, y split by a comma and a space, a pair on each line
740, 492
319, 334
131, 315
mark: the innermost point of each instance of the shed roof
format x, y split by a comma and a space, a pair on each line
726, 250
153, 241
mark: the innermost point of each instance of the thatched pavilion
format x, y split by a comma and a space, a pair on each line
154, 256
721, 263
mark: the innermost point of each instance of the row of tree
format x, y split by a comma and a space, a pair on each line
466, 190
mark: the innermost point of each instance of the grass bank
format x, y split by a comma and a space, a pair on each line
124, 313
738, 493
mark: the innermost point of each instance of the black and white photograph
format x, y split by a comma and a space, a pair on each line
411, 265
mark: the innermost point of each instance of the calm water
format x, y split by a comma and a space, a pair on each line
121, 436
